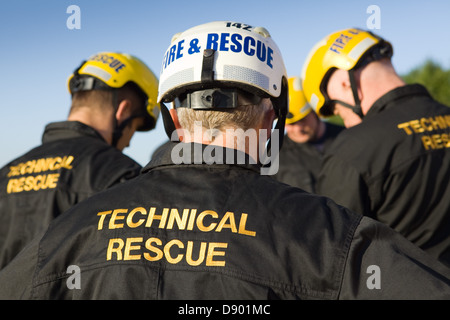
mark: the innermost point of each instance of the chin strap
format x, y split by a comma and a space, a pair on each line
278, 133
357, 107
169, 126
118, 129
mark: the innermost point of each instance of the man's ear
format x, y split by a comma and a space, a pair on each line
176, 122
267, 121
124, 111
339, 85
346, 85
344, 81
174, 115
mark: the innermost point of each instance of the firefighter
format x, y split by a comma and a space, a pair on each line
113, 95
307, 138
203, 220
391, 163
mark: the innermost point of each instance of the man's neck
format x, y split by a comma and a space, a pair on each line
378, 79
238, 139
98, 122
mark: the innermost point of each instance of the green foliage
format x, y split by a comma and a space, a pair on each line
431, 75
336, 120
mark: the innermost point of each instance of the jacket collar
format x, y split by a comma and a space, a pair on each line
179, 153
392, 97
68, 129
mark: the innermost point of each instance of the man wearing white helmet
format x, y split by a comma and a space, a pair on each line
391, 163
204, 221
307, 137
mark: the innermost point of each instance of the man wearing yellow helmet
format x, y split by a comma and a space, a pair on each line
307, 138
211, 226
392, 161
113, 95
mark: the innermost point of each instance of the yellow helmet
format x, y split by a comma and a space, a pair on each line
109, 70
298, 106
348, 50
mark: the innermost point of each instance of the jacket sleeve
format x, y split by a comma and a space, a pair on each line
381, 264
17, 277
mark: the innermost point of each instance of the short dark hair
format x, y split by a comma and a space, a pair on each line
103, 99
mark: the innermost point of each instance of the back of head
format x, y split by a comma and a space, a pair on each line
221, 73
107, 77
348, 50
96, 100
247, 115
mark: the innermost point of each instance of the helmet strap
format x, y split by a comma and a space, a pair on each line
117, 130
208, 66
169, 125
357, 107
281, 108
273, 153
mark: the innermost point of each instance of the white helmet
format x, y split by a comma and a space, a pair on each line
224, 54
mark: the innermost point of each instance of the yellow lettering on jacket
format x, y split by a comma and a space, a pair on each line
173, 251
33, 175
205, 221
427, 128
210, 254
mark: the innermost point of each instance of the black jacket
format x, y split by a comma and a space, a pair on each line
218, 231
300, 163
395, 167
73, 163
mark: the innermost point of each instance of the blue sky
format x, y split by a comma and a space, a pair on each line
38, 52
